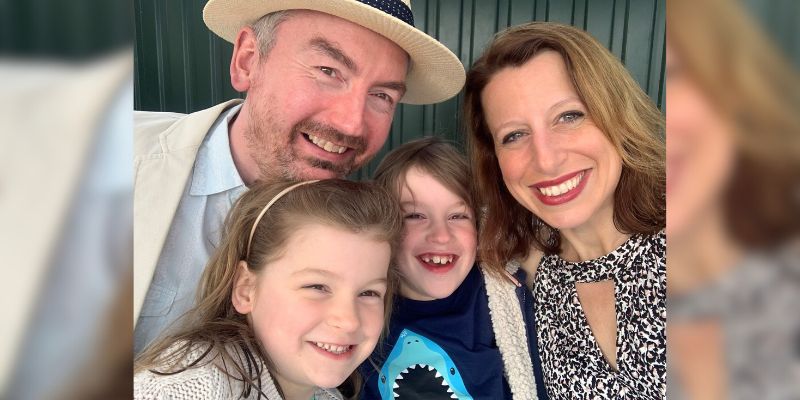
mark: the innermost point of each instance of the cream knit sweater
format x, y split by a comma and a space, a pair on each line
509, 331
206, 382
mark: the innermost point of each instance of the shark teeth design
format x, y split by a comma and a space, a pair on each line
429, 368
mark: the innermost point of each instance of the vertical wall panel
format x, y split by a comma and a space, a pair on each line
182, 67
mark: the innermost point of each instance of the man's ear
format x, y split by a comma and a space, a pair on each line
245, 58
244, 289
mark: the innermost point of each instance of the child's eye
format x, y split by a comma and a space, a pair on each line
371, 293
317, 286
460, 216
414, 216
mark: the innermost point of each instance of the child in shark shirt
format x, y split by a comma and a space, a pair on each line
457, 330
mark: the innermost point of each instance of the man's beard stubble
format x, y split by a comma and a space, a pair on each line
280, 160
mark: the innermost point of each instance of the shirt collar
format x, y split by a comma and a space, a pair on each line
214, 170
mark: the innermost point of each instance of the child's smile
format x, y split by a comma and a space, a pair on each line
438, 262
438, 250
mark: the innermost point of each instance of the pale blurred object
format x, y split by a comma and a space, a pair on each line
733, 206
65, 206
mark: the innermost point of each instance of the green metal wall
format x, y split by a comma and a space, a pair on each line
180, 66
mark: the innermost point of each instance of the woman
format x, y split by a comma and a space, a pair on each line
579, 148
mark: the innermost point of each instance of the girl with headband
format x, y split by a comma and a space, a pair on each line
292, 301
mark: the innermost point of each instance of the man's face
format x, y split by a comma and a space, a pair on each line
320, 104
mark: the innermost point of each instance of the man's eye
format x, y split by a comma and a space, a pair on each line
329, 71
385, 97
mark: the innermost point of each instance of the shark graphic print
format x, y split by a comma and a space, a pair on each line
418, 368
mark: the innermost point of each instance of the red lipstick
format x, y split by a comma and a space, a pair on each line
563, 197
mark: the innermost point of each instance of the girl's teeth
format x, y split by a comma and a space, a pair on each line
333, 348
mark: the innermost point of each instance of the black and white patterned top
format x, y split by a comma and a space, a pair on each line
574, 367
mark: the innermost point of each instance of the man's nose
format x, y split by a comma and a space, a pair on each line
346, 113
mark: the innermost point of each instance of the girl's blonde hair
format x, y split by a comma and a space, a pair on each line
214, 326
616, 104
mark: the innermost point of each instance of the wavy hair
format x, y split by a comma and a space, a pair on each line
617, 105
214, 326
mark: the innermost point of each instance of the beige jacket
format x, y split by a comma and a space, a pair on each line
165, 147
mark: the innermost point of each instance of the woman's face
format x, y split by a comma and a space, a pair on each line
700, 150
555, 161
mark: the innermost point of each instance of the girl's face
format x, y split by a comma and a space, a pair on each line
318, 309
555, 161
440, 238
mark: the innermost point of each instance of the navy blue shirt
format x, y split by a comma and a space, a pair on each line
443, 349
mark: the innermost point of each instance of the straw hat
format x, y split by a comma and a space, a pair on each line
435, 74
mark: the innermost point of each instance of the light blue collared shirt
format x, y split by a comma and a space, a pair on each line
194, 234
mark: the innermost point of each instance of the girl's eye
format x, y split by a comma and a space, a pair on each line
512, 137
318, 287
371, 293
571, 117
328, 71
414, 216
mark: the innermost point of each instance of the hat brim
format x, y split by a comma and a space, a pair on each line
435, 73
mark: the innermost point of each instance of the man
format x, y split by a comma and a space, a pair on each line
323, 79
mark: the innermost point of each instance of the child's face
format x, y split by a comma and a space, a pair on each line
440, 238
318, 310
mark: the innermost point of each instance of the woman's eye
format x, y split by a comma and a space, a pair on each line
329, 71
512, 137
571, 117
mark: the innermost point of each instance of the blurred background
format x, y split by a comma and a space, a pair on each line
733, 199
66, 100
725, 71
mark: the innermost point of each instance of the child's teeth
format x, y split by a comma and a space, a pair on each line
335, 349
435, 259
